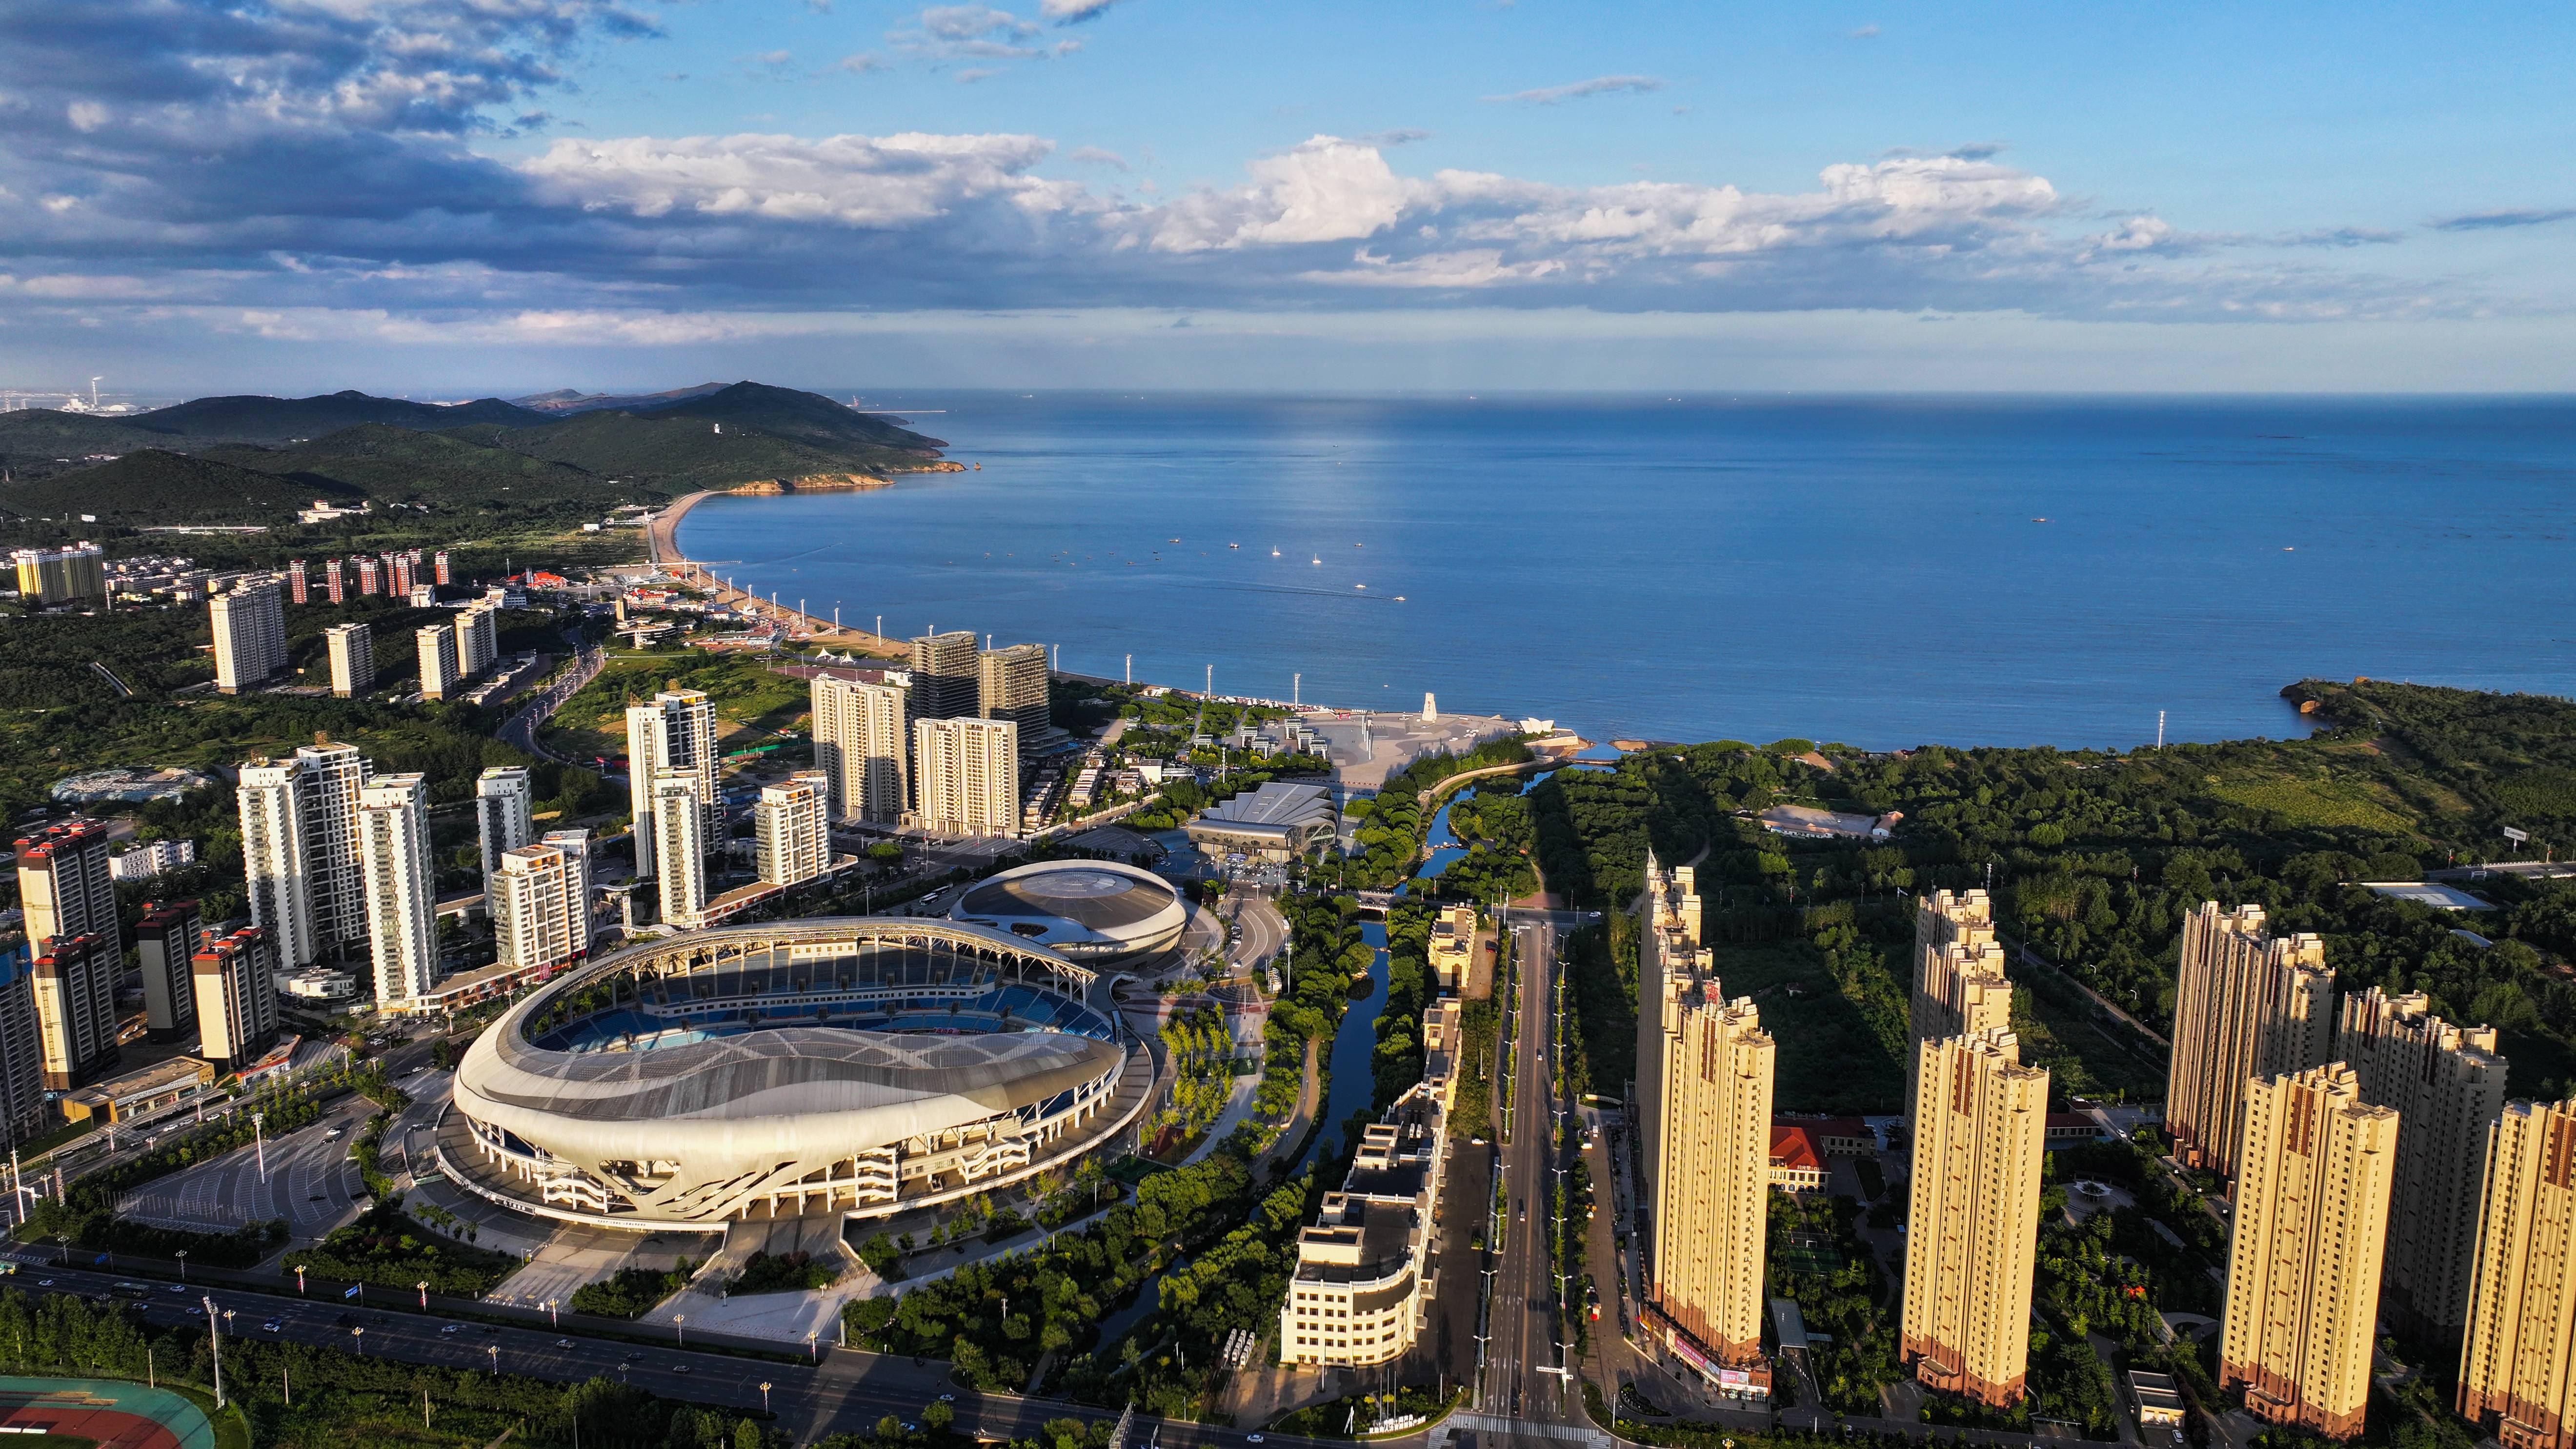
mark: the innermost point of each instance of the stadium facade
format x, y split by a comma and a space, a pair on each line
865, 1065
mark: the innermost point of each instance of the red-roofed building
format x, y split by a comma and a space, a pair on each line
1797, 1162
2069, 1129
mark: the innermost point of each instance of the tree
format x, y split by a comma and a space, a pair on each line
937, 1416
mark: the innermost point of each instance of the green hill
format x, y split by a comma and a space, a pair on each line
279, 420
37, 443
153, 486
678, 454
398, 465
786, 413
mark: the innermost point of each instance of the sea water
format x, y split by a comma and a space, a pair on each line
1879, 572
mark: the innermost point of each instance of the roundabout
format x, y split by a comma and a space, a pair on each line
859, 1066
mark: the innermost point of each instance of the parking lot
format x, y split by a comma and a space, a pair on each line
309, 1181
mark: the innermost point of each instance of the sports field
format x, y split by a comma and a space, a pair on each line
109, 1414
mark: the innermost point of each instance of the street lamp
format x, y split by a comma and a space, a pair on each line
813, 1350
680, 1321
360, 1334
764, 1396
182, 1256
551, 1316
423, 1286
299, 1280
214, 1332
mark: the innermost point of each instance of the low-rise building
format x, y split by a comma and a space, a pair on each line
1797, 1159
144, 1093
1453, 937
1278, 821
1363, 1284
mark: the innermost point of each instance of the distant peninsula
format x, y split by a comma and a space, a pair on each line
252, 459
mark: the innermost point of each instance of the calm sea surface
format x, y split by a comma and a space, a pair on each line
1884, 573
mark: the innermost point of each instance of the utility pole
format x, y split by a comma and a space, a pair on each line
215, 1332
1131, 670
2160, 729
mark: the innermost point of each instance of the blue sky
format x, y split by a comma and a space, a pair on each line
456, 196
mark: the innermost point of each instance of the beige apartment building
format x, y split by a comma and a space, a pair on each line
792, 834
2246, 1005
2311, 1219
1972, 1244
249, 624
2446, 1083
2518, 1354
968, 774
1453, 939
859, 742
1365, 1276
1959, 983
1707, 1086
353, 658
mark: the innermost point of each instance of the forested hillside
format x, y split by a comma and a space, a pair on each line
2095, 857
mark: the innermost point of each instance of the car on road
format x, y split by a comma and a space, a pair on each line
453, 1328
563, 1343
180, 1288
1251, 1438
271, 1326
679, 1368
948, 1398
44, 1282
632, 1358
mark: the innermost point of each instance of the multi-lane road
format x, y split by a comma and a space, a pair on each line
843, 1390
1524, 1375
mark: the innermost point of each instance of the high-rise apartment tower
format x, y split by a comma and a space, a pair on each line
946, 679
678, 820
353, 658
791, 827
2246, 1005
2446, 1083
250, 636
505, 806
677, 731
2518, 1355
1011, 684
1972, 1242
1959, 983
167, 939
2313, 1173
968, 774
1705, 1073
236, 1000
299, 820
402, 894
860, 743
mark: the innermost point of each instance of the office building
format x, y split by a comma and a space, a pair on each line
967, 774
440, 673
167, 940
1972, 1238
236, 999
505, 805
250, 636
51, 576
299, 820
947, 680
2446, 1083
792, 828
401, 886
677, 731
1959, 983
66, 886
478, 640
859, 743
2311, 1217
2518, 1354
2247, 1005
677, 818
1011, 684
1707, 1085
353, 658
540, 906
76, 1018
23, 1111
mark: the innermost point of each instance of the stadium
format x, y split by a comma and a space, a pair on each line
1093, 912
864, 1065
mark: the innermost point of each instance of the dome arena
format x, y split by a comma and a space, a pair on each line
1089, 911
866, 1065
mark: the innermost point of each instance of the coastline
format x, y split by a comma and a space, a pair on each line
662, 549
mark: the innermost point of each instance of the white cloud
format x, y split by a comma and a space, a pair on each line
1437, 269
1599, 85
857, 181
1327, 189
1067, 12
